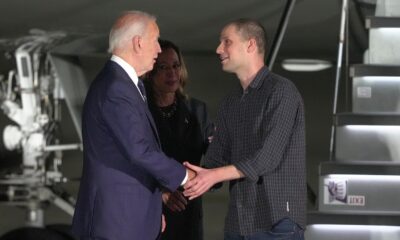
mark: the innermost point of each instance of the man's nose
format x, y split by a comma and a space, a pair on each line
219, 49
158, 48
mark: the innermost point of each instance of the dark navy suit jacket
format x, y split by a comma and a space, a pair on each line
124, 168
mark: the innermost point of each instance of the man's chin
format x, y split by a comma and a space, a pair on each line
227, 68
149, 69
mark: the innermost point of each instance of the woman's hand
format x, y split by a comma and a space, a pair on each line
175, 201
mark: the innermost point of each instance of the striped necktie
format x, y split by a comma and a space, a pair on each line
142, 90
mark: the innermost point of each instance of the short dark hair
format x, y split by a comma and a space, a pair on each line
249, 28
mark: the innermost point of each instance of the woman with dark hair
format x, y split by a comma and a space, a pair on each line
184, 130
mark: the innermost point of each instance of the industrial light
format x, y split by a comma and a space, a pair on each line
305, 65
387, 129
372, 178
353, 228
381, 79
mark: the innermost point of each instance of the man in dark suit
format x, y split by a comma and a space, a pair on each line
259, 144
124, 168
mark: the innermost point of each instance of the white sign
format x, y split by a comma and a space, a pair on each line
364, 92
356, 200
336, 193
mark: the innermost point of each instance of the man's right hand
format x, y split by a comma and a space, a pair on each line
175, 201
191, 174
204, 179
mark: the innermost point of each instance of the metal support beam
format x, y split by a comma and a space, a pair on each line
280, 33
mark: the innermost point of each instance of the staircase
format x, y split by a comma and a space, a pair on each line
359, 189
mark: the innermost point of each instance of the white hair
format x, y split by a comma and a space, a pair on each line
128, 25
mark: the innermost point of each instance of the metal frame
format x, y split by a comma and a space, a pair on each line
280, 33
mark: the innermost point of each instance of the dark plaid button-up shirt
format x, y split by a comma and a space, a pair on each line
261, 131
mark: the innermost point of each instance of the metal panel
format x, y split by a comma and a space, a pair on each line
74, 84
368, 143
361, 194
382, 22
342, 119
387, 8
376, 95
68, 60
384, 47
351, 232
329, 218
360, 168
364, 70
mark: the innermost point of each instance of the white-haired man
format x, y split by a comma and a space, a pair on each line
124, 168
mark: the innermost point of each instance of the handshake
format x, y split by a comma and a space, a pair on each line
199, 181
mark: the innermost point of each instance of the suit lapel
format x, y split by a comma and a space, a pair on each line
153, 125
139, 98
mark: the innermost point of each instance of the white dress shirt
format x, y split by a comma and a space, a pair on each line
129, 70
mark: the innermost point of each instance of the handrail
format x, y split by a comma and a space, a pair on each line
342, 35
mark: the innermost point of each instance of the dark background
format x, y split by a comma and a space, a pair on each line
195, 26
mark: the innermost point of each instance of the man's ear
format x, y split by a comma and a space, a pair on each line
252, 45
137, 43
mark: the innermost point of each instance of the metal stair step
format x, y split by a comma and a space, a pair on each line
382, 22
359, 167
323, 226
384, 38
316, 217
359, 192
346, 118
388, 8
374, 70
375, 89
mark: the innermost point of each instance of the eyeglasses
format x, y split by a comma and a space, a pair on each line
165, 67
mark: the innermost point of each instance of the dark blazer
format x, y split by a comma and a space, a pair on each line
184, 136
199, 109
124, 167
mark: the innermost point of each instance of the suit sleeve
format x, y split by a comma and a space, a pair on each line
129, 126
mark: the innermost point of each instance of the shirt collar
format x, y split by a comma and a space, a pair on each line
128, 68
258, 79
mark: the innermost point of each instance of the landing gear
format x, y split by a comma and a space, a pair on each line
52, 232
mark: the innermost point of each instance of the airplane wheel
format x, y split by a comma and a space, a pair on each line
9, 160
62, 229
31, 233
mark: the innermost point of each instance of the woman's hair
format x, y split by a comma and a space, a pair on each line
183, 74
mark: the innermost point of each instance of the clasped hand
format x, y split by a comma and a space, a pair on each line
175, 201
200, 181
